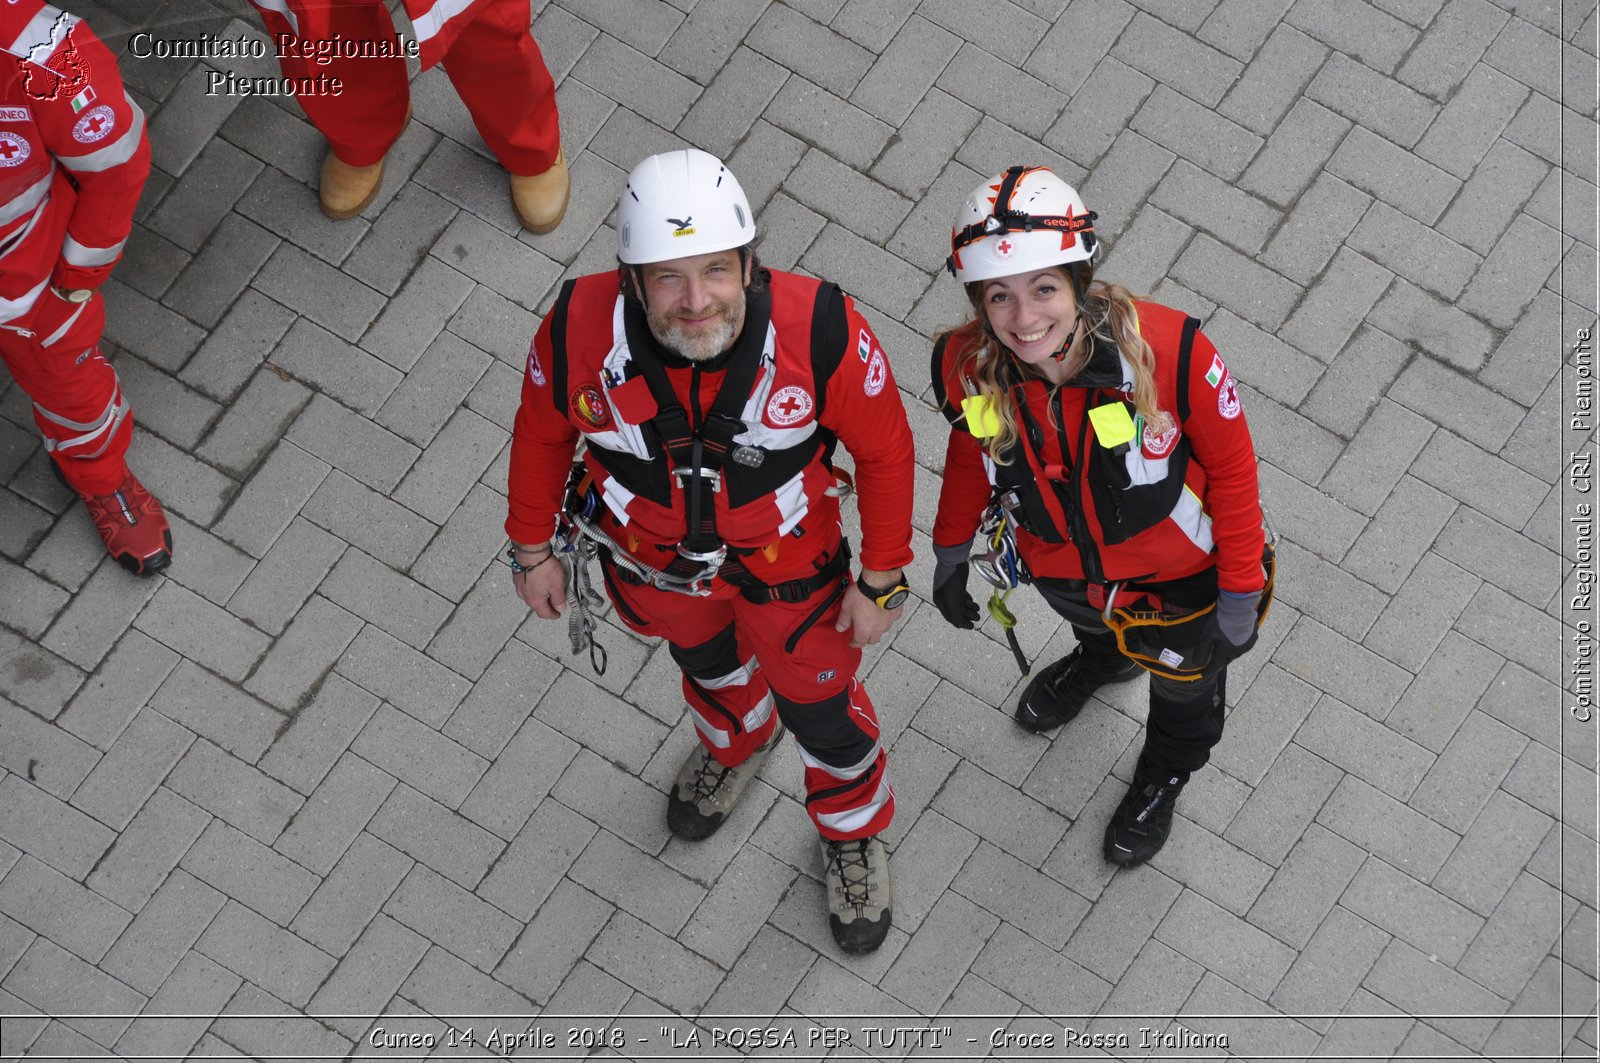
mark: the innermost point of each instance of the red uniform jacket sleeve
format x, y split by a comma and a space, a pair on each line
542, 444
1221, 441
864, 410
964, 492
97, 134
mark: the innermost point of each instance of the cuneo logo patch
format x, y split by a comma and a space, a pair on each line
591, 409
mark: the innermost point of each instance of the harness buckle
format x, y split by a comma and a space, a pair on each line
684, 475
712, 559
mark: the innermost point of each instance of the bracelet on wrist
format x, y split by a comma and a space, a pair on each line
516, 563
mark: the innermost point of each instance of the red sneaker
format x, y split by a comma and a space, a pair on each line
133, 526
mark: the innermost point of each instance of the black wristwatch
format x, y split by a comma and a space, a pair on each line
887, 598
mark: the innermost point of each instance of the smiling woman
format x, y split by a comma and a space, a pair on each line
1098, 442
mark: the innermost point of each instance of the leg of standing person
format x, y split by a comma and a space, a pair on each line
497, 68
54, 354
366, 117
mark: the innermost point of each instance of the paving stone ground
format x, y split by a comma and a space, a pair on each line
328, 768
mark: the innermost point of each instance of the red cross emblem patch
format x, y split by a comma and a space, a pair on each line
13, 150
94, 124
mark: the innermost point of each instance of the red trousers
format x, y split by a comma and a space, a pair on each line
53, 351
742, 659
494, 64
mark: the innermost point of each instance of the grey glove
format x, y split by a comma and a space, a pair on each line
1236, 617
950, 594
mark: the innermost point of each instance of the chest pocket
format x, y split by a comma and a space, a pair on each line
1132, 492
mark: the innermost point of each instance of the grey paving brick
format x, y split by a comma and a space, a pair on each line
1046, 979
493, 323
49, 829
197, 987
333, 367
1203, 201
448, 915
368, 976
1561, 200
1414, 251
1347, 671
219, 711
226, 361
1281, 806
974, 76
1369, 99
658, 92
1202, 136
49, 903
231, 257
339, 303
1303, 892
1211, 867
1519, 698
1274, 78
1457, 403
1452, 46
1177, 59
537, 860
412, 320
1156, 985
959, 721
1239, 27
258, 1023
398, 241
1295, 152
1413, 912
1099, 111
302, 656
1514, 271
163, 405
56, 761
330, 710
631, 880
732, 102
445, 985
1402, 531
234, 791
993, 810
1226, 944
333, 816
928, 970
672, 974
349, 898
1540, 60
143, 327
1216, 1007
1445, 690
36, 679
1505, 558
432, 834
204, 195
473, 180
1411, 981
506, 695
58, 983
378, 594
1364, 748
201, 631
370, 521
249, 872
764, 977
420, 756
1516, 938
1480, 110
765, 158
165, 929
1124, 916
1253, 292
282, 581
1265, 719
1306, 515
151, 261
268, 503
147, 849
555, 940
1394, 175
267, 955
518, 779
489, 257
402, 676
1383, 447
85, 631
1303, 449
810, 50
1501, 841
1389, 830
902, 76
1535, 441
1327, 593
481, 624
273, 133
1330, 968
132, 769
1422, 612
1356, 28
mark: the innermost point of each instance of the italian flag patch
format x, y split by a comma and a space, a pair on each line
83, 99
1215, 374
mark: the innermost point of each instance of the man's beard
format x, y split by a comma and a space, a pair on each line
705, 343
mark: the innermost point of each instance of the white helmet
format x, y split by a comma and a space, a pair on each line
678, 204
1020, 221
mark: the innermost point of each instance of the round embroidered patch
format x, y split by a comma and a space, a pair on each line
1159, 444
94, 124
14, 151
789, 405
877, 374
1228, 397
590, 408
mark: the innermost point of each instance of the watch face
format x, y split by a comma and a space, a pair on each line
894, 599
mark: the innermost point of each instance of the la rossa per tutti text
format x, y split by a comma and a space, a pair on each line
144, 45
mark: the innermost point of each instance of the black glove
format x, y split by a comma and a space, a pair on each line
950, 595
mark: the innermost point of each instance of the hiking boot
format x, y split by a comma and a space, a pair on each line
345, 190
133, 527
1142, 821
1060, 691
706, 790
540, 200
855, 876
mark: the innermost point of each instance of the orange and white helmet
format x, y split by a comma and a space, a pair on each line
1020, 221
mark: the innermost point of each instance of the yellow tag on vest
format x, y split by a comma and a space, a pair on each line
1112, 425
983, 419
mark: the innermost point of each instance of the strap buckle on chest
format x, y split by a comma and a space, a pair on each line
686, 476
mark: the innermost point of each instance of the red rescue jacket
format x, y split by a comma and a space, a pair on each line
436, 22
823, 377
1167, 505
73, 155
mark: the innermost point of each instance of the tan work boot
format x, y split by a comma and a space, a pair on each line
855, 876
705, 791
346, 190
540, 200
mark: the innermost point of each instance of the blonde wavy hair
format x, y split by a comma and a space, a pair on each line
1108, 313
